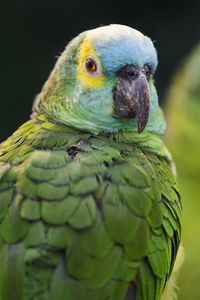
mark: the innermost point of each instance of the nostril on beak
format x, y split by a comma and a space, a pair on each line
131, 74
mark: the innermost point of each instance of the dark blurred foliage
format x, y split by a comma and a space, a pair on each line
34, 32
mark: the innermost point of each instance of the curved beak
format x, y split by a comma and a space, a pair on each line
131, 96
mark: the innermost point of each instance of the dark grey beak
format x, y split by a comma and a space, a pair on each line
131, 95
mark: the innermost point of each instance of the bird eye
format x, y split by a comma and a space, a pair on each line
90, 65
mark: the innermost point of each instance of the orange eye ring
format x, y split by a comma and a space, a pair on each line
90, 65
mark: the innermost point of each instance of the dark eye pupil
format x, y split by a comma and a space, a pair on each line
91, 65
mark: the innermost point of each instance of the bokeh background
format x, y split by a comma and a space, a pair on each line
34, 32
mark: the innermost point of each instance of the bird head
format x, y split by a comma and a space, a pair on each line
103, 82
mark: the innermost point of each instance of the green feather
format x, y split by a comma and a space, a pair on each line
84, 215
13, 228
36, 235
59, 212
30, 210
12, 271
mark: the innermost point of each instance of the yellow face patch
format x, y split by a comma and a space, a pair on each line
93, 79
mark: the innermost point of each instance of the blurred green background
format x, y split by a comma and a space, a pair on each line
182, 109
34, 32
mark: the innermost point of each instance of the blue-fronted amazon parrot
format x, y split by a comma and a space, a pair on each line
89, 205
183, 139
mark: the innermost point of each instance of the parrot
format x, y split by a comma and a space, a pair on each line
89, 203
183, 139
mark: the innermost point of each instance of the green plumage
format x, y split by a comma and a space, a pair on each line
86, 217
89, 208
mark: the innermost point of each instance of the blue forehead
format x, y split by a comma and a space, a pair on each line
124, 46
